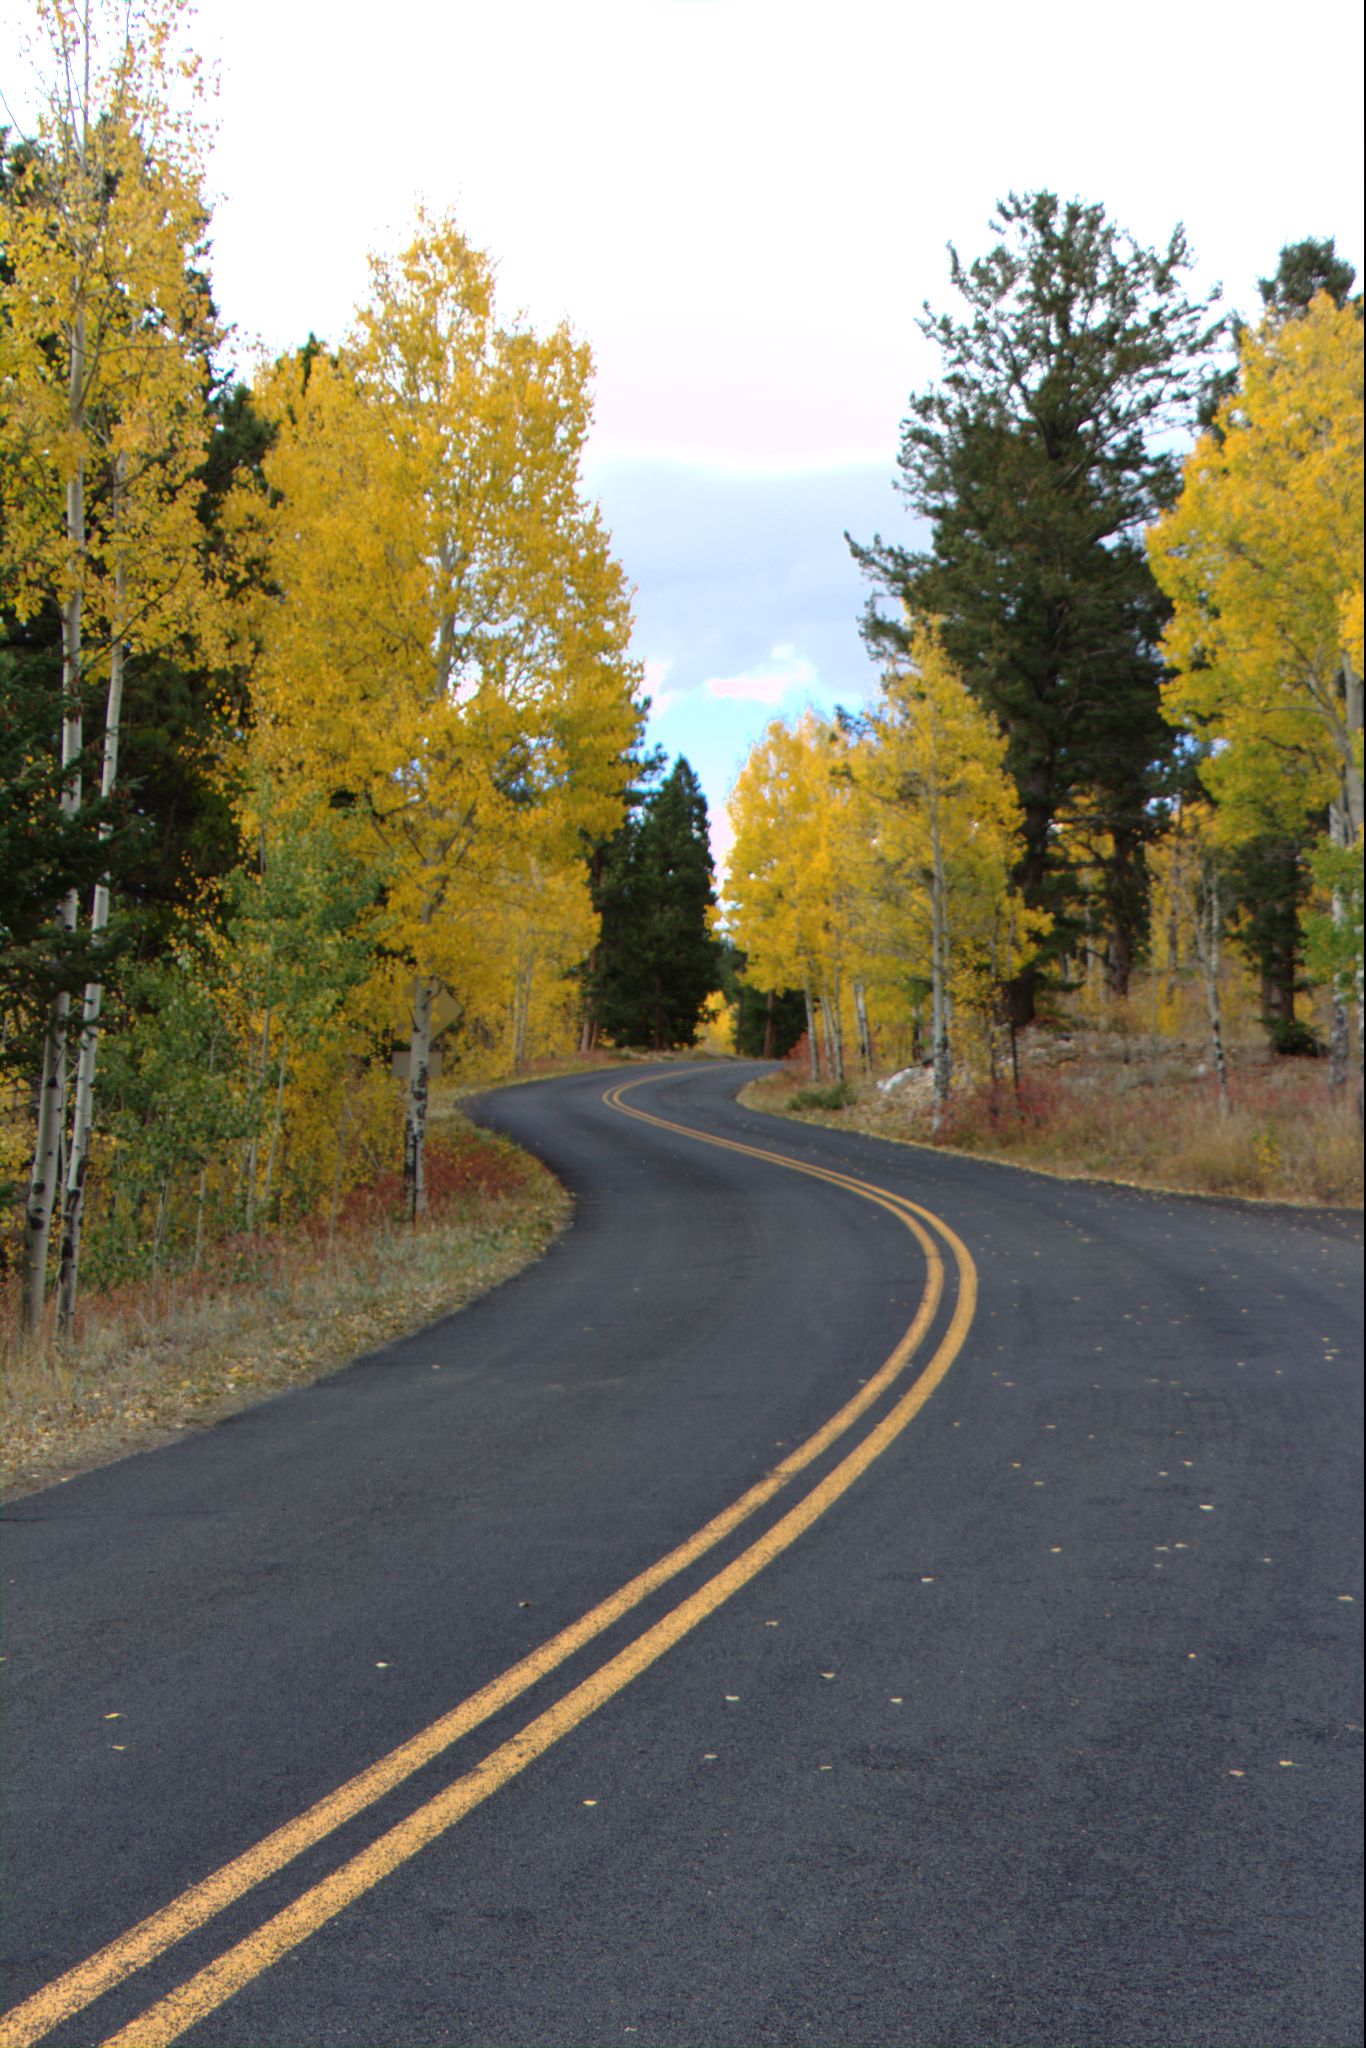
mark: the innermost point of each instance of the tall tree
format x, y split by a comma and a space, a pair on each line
1039, 458
1262, 559
106, 327
659, 959
945, 819
446, 642
1269, 869
792, 883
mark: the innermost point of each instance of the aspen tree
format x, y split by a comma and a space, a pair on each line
791, 875
102, 232
447, 650
1262, 559
949, 819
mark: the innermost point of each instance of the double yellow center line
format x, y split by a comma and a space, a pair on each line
212, 1986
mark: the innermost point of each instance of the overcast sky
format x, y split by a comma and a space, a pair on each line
742, 206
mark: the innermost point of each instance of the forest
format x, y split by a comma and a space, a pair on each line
322, 770
1112, 777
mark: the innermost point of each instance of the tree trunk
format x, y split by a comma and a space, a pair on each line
1030, 874
770, 1030
939, 972
1119, 961
813, 1056
254, 1142
415, 1121
84, 1115
521, 1012
1125, 897
865, 1036
834, 1035
1208, 934
45, 1177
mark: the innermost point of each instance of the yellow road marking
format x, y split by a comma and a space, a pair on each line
77, 1988
211, 1987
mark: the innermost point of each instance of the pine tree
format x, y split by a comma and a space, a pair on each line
659, 958
1038, 459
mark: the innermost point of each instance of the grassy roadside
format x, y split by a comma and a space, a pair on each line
151, 1361
1103, 1108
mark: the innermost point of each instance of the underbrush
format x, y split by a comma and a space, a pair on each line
1156, 1121
152, 1357
839, 1095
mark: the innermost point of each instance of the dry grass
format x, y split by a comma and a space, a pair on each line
151, 1361
1115, 1109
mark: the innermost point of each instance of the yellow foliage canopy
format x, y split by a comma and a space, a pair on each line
1262, 560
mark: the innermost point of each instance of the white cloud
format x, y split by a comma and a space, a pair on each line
783, 674
662, 701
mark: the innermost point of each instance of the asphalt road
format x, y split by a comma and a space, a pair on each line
1025, 1710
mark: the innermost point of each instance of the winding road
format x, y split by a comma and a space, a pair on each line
844, 1594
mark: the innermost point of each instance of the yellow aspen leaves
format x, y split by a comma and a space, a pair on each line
1261, 557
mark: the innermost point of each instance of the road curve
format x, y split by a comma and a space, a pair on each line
901, 1600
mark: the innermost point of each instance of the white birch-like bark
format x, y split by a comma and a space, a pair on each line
1208, 921
813, 1056
45, 1178
865, 1036
942, 1045
830, 1022
83, 1117
415, 1116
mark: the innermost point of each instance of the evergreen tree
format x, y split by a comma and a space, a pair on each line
1303, 270
768, 1023
657, 958
1038, 459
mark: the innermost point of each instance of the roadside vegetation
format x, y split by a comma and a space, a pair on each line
322, 789
153, 1357
324, 794
1102, 1106
1108, 793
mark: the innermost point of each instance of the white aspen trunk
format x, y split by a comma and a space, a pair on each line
865, 1036
84, 1115
1174, 920
45, 1178
1208, 921
1351, 773
813, 1056
1339, 1032
834, 1035
1347, 821
415, 1118
827, 1041
942, 1043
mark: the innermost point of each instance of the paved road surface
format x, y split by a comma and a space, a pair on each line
1023, 1713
